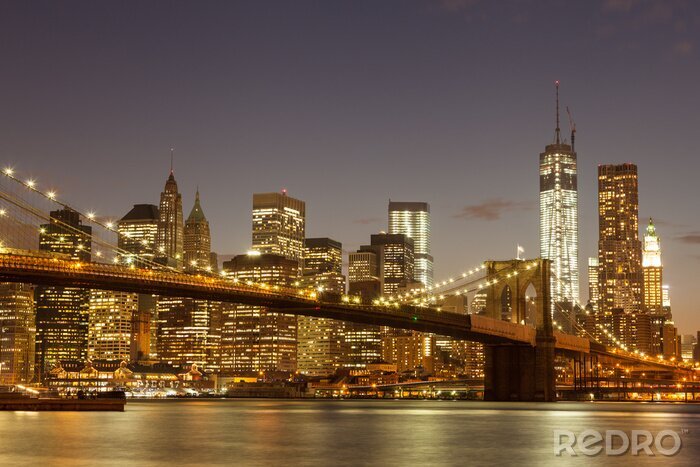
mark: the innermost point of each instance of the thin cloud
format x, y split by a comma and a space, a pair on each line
367, 220
691, 238
669, 224
683, 48
491, 209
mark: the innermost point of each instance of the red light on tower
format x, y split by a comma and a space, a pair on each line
284, 191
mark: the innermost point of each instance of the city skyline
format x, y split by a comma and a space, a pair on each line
437, 149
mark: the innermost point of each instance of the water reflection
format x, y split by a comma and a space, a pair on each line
279, 432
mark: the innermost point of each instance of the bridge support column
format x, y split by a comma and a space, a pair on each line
520, 372
515, 372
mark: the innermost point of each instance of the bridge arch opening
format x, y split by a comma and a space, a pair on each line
507, 303
531, 297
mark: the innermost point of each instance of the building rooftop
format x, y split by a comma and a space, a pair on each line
142, 212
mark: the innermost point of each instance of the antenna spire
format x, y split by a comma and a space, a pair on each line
172, 150
572, 127
558, 139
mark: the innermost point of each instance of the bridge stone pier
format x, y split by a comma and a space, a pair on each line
521, 372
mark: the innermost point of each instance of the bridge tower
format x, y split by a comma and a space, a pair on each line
521, 372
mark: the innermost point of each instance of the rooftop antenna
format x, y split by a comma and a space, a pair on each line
556, 84
572, 126
172, 150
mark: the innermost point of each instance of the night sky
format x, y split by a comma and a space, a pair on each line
349, 104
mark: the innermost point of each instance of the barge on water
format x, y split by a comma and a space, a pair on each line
110, 403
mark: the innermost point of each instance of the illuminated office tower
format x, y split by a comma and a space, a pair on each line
413, 220
363, 342
559, 215
397, 268
620, 274
197, 240
320, 340
593, 292
397, 260
279, 223
138, 231
652, 270
666, 297
365, 274
188, 332
662, 326
410, 351
252, 338
109, 326
62, 313
670, 332
169, 239
619, 249
188, 329
17, 333
323, 265
688, 343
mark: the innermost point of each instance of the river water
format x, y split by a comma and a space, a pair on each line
324, 432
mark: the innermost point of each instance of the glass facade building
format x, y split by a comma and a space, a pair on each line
279, 225
559, 219
254, 340
109, 326
138, 231
320, 340
62, 313
397, 260
413, 220
17, 333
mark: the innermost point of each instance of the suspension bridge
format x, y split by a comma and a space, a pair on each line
521, 350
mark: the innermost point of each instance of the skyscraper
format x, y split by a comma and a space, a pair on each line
619, 249
188, 329
320, 340
279, 225
188, 332
323, 265
363, 342
593, 290
252, 338
652, 270
663, 330
109, 325
62, 313
620, 256
169, 239
413, 220
397, 260
197, 239
559, 215
138, 231
17, 333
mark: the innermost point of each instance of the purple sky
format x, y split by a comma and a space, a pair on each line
348, 104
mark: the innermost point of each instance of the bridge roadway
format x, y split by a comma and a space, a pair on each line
45, 270
42, 269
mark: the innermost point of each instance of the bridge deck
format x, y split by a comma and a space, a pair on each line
41, 269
